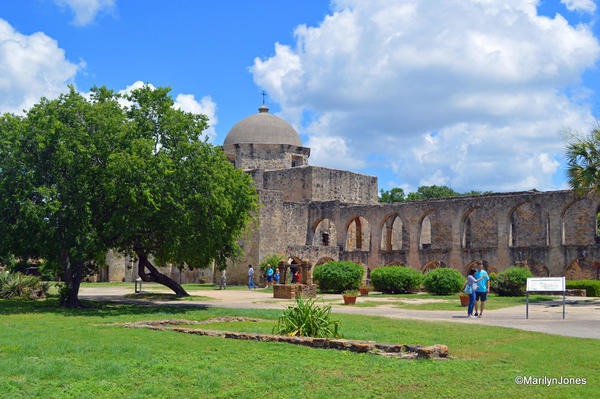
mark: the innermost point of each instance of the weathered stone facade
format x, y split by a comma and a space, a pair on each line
318, 214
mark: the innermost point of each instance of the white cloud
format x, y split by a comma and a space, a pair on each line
187, 103
206, 106
31, 67
471, 93
580, 5
86, 10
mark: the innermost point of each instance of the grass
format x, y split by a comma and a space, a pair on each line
48, 351
168, 297
187, 287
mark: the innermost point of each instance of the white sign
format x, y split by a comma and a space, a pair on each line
546, 284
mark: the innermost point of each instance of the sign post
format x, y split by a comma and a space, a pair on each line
551, 284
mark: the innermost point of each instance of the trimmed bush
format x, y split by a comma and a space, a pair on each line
513, 281
493, 282
20, 286
592, 287
338, 276
308, 320
443, 281
396, 279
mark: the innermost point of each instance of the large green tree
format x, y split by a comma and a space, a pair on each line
169, 197
51, 163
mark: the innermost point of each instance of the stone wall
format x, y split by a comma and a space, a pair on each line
266, 156
313, 183
547, 231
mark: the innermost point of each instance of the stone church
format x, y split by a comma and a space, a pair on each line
318, 214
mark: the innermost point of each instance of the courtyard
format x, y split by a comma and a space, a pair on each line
50, 351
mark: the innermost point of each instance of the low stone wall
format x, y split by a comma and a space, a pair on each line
384, 349
292, 291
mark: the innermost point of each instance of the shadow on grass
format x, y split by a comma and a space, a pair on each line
92, 308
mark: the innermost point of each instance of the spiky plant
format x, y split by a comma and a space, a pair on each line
307, 319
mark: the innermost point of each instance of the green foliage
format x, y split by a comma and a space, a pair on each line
493, 282
443, 281
395, 279
592, 287
272, 260
350, 293
512, 281
396, 194
583, 159
21, 286
423, 192
168, 192
52, 161
338, 276
307, 319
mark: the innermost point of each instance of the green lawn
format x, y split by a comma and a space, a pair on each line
46, 351
168, 297
187, 287
450, 302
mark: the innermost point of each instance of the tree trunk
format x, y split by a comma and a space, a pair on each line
72, 278
155, 276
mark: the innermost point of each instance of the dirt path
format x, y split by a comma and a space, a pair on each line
582, 319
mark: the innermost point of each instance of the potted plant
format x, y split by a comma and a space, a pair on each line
364, 290
350, 297
464, 299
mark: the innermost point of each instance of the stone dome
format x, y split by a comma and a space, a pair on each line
263, 128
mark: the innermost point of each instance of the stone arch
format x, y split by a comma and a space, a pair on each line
473, 265
528, 225
578, 223
393, 232
394, 263
358, 235
425, 230
582, 269
323, 260
324, 233
466, 229
432, 264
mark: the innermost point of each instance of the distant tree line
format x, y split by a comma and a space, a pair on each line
397, 194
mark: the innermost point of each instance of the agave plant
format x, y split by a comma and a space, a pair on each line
17, 285
307, 319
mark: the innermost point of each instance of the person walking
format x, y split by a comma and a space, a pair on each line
483, 286
276, 276
223, 285
251, 277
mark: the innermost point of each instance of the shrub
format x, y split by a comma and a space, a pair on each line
308, 320
512, 281
395, 279
443, 281
338, 276
592, 287
272, 260
493, 282
20, 286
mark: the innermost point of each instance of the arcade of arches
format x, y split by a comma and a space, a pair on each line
553, 233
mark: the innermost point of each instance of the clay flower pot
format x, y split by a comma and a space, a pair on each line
364, 291
349, 300
464, 300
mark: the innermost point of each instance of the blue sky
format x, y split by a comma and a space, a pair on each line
474, 94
